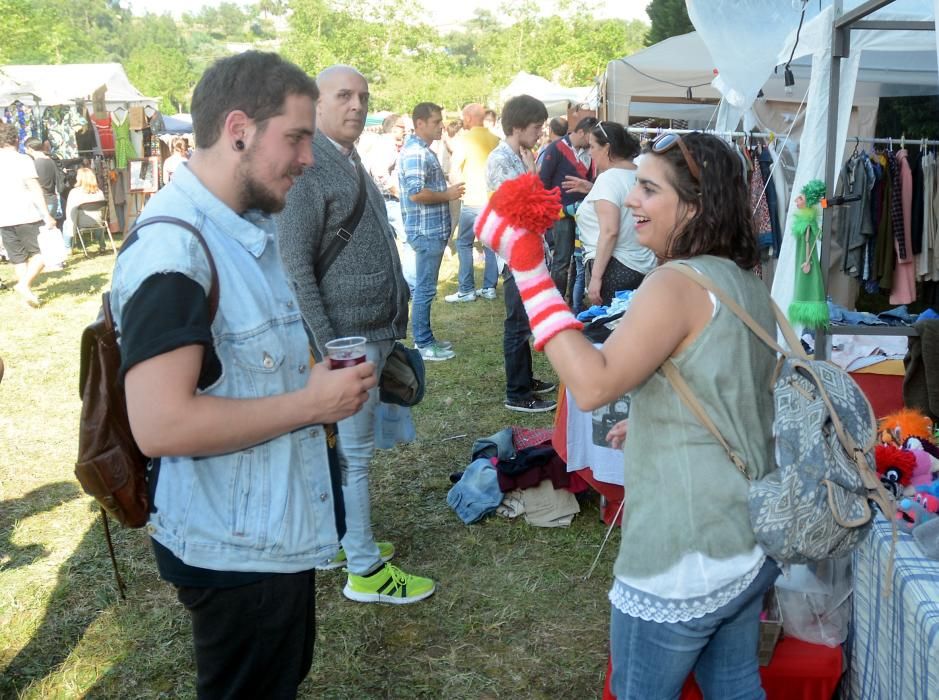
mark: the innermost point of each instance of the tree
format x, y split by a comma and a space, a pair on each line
669, 18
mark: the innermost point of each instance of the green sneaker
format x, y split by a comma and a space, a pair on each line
388, 585
385, 549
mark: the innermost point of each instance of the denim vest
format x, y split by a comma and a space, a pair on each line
268, 507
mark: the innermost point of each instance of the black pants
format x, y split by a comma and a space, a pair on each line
563, 252
515, 346
253, 641
616, 278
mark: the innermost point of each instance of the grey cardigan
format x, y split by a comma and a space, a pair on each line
363, 292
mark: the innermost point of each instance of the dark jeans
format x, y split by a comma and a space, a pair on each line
563, 251
518, 376
253, 641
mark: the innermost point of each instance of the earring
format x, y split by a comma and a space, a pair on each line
239, 145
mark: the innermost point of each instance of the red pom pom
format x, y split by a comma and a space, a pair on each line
891, 457
526, 204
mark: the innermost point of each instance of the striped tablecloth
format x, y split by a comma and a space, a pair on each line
895, 639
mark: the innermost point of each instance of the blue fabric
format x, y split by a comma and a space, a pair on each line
264, 508
499, 445
653, 659
428, 253
464, 251
418, 169
477, 493
927, 314
841, 316
894, 646
898, 316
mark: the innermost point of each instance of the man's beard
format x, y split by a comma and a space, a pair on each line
254, 194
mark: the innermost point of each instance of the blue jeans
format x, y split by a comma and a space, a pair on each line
577, 295
464, 251
653, 659
357, 442
428, 252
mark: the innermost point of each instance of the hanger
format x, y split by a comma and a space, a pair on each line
118, 115
902, 141
857, 142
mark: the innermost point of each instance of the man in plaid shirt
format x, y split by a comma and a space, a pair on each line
425, 208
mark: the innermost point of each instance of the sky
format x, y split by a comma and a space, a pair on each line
440, 12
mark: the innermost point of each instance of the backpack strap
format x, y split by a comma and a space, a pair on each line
670, 369
795, 345
213, 289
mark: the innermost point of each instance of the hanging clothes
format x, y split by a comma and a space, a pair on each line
766, 169
903, 290
105, 133
123, 148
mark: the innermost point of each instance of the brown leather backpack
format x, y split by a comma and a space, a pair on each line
110, 466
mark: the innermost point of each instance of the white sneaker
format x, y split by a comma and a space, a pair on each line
436, 353
460, 296
487, 293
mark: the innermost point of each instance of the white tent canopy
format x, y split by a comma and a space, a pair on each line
555, 97
63, 84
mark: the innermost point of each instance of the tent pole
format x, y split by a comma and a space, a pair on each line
840, 48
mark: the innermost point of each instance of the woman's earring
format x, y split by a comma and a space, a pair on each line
239, 145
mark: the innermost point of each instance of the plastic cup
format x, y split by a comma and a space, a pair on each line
346, 352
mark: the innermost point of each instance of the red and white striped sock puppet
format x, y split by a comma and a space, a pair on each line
513, 225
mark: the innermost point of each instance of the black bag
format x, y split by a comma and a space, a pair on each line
402, 380
110, 466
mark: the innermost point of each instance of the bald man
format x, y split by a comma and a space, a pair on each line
470, 152
362, 293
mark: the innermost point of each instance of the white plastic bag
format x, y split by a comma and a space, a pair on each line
815, 601
52, 246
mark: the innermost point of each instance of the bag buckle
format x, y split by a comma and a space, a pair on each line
344, 235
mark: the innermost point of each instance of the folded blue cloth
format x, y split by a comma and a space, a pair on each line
840, 316
927, 314
898, 316
477, 492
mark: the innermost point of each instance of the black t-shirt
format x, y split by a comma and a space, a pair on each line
169, 311
48, 173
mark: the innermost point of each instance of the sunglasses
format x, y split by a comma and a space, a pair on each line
603, 131
666, 142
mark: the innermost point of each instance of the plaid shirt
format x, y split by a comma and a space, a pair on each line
418, 169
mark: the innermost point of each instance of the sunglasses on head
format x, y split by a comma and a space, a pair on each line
603, 131
666, 142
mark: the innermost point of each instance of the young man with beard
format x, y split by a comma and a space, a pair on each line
362, 293
245, 474
522, 120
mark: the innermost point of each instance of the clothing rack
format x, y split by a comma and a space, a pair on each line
902, 142
655, 131
842, 25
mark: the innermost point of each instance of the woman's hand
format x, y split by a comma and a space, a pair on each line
593, 290
617, 435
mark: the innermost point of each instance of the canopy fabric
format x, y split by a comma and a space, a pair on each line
555, 97
63, 84
177, 124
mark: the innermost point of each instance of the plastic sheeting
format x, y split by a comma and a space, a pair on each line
744, 53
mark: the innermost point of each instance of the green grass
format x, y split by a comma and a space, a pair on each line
512, 616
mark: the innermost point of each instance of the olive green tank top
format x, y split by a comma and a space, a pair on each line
683, 494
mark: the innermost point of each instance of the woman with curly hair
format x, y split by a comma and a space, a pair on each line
690, 577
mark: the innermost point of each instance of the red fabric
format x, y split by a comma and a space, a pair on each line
529, 437
798, 671
105, 133
884, 391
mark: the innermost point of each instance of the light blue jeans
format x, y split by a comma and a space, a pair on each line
464, 251
357, 442
653, 659
428, 252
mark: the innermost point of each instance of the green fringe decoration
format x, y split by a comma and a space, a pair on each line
811, 314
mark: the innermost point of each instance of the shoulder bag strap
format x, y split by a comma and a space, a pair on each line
344, 233
213, 289
795, 346
670, 369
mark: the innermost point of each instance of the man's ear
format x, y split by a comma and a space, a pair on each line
238, 127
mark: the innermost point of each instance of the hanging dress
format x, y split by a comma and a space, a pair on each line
903, 290
123, 148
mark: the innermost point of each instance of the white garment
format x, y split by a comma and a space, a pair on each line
586, 439
613, 185
77, 196
170, 165
17, 202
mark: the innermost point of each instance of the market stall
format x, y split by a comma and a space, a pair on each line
91, 115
